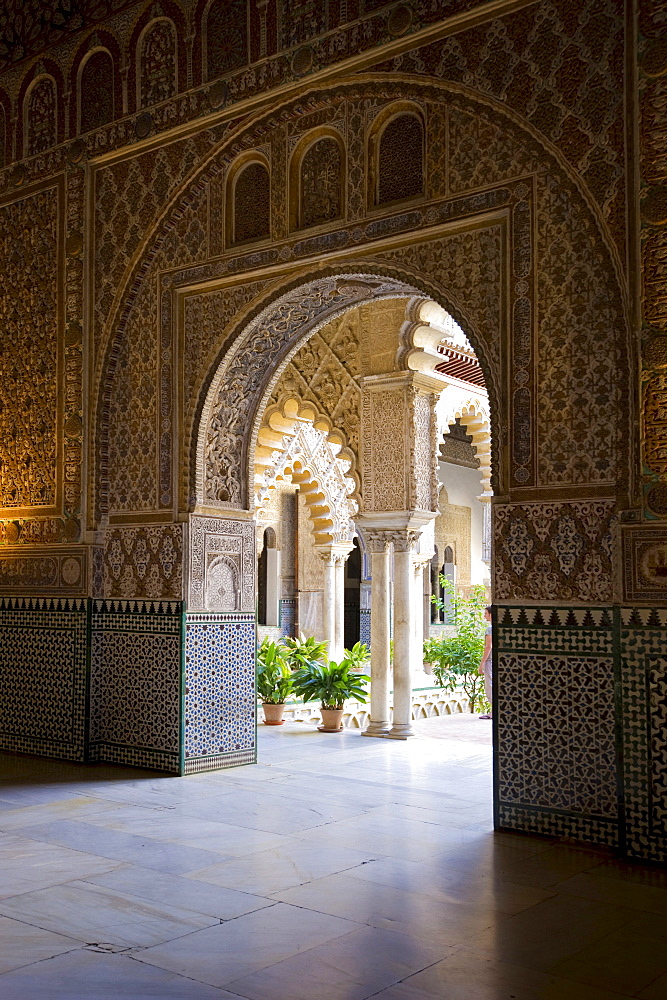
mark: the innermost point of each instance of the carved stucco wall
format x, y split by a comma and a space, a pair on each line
453, 528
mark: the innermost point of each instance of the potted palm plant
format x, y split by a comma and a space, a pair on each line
274, 681
299, 652
332, 684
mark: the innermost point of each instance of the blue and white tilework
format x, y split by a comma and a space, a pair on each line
365, 627
220, 700
287, 616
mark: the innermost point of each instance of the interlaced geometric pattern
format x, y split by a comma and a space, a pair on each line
557, 760
43, 676
135, 682
643, 646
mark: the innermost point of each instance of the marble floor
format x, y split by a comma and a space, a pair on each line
338, 868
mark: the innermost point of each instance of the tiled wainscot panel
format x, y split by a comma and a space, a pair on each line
219, 690
556, 766
136, 665
43, 658
644, 714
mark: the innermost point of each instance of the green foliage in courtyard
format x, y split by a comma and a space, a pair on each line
274, 677
455, 659
333, 683
300, 652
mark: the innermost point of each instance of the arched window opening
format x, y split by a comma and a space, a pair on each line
96, 89
157, 64
321, 183
252, 204
226, 37
400, 168
268, 581
41, 117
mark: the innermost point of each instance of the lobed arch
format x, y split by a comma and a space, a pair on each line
281, 421
474, 413
310, 460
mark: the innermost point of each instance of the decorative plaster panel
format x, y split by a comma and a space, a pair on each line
553, 551
31, 317
144, 561
222, 564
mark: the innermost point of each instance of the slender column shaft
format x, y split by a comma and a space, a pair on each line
380, 627
329, 605
339, 628
403, 642
418, 603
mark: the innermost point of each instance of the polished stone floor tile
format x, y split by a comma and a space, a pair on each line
628, 960
426, 918
150, 853
21, 944
550, 932
591, 885
28, 864
233, 950
476, 885
181, 891
91, 914
291, 865
352, 967
88, 975
463, 976
337, 868
270, 812
73, 807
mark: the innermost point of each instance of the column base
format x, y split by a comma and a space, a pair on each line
376, 729
400, 732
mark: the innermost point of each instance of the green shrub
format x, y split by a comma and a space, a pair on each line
456, 658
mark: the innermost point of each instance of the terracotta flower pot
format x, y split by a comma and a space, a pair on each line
332, 720
273, 714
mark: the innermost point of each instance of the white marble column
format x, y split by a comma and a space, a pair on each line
418, 626
339, 627
404, 612
329, 601
377, 545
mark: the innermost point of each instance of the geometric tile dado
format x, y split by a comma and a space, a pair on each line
135, 682
220, 700
555, 708
43, 654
